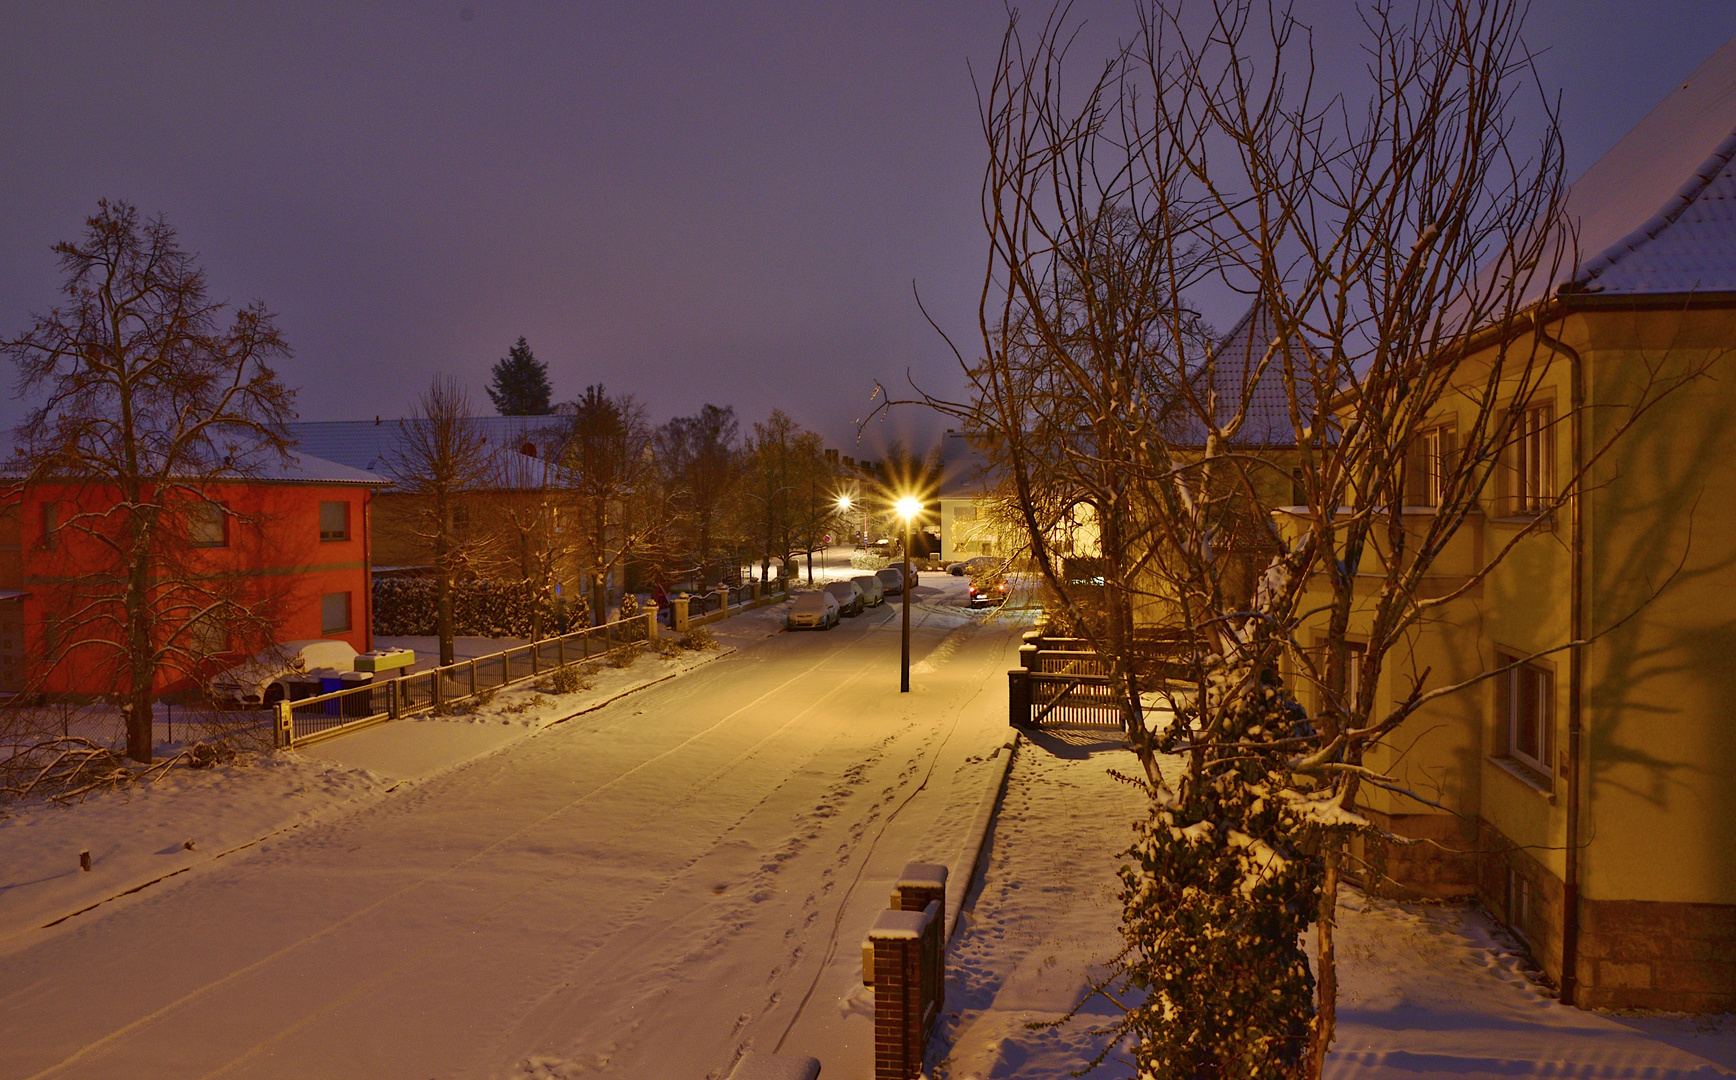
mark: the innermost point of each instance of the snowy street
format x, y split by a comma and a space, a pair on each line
645, 890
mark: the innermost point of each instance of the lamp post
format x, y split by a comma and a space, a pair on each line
907, 508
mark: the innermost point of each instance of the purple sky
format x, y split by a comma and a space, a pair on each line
688, 205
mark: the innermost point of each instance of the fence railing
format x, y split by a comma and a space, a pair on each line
319, 716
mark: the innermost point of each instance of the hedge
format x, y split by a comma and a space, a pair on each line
406, 606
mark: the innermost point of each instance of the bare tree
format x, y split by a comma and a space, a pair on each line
612, 469
150, 405
1398, 250
787, 488
702, 467
443, 460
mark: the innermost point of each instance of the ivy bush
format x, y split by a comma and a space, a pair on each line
406, 606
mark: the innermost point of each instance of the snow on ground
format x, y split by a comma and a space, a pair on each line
649, 889
1427, 990
138, 836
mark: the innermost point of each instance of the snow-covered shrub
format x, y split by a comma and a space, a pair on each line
1222, 883
871, 561
627, 655
698, 639
569, 679
632, 626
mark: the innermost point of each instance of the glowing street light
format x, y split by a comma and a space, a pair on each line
907, 507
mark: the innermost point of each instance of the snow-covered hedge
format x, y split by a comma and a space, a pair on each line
871, 561
406, 606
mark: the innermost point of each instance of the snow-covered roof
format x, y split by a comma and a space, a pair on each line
371, 445
1233, 371
303, 468
1657, 213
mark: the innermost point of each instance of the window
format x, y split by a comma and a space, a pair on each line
1527, 713
334, 521
1355, 653
334, 613
1518, 903
1530, 470
1432, 459
207, 525
207, 637
964, 513
51, 523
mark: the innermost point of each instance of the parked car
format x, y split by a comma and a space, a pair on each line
873, 593
973, 566
816, 610
849, 597
891, 580
987, 590
261, 680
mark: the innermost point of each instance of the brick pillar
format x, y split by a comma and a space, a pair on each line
920, 885
1028, 655
900, 1024
678, 614
651, 626
1019, 697
723, 600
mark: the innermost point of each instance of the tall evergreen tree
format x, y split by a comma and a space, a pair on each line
521, 383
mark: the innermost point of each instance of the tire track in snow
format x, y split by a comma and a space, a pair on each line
285, 950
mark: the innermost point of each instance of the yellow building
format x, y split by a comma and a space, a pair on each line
1593, 791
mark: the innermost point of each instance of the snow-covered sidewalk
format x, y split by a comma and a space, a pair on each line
1427, 990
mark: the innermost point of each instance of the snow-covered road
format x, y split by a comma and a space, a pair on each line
644, 891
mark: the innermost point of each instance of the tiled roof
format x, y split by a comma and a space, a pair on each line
1657, 213
371, 445
1234, 370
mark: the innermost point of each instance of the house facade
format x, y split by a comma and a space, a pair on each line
291, 542
1588, 795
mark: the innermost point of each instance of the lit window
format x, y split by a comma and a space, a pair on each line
334, 521
334, 613
207, 525
1527, 706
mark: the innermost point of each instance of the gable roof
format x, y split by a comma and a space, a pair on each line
1233, 370
1657, 213
371, 445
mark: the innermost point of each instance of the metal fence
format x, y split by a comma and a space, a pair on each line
312, 718
1063, 682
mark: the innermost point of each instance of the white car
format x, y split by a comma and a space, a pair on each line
873, 593
260, 681
816, 610
891, 581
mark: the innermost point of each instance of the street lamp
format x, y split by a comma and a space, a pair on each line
907, 508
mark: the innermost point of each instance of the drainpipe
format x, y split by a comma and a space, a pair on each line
367, 570
1575, 678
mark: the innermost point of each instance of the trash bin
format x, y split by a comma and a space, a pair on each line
330, 682
359, 703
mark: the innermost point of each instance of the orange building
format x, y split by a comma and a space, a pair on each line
291, 543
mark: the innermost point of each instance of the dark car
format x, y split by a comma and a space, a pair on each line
987, 590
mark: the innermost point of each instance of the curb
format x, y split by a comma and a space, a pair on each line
983, 825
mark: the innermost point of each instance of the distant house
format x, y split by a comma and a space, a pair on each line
508, 504
1588, 796
308, 558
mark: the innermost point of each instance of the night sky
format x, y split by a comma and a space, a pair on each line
688, 202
